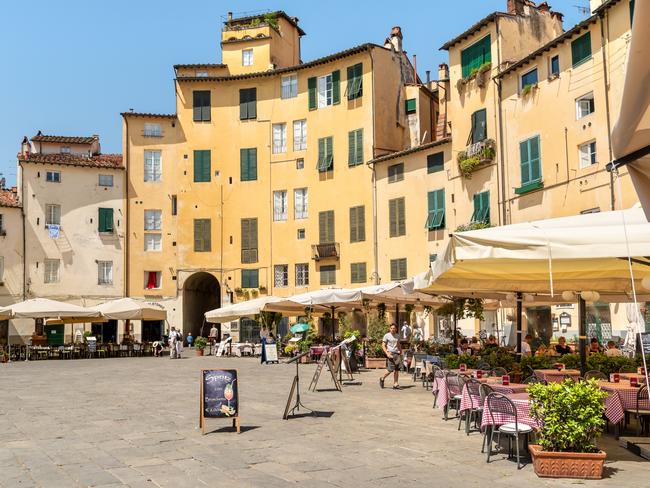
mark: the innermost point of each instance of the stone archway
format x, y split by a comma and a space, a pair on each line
201, 292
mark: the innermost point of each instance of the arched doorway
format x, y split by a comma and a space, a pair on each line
201, 292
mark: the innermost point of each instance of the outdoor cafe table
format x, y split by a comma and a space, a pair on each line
627, 376
522, 405
474, 400
553, 375
440, 386
621, 397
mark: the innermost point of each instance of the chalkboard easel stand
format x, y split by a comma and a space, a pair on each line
295, 388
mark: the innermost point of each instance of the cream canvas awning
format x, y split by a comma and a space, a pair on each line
631, 134
585, 252
249, 308
131, 309
43, 308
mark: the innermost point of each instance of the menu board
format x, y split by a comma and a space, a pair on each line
271, 352
219, 395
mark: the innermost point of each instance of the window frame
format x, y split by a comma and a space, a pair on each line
291, 87
249, 249
247, 57
300, 142
432, 165
410, 106
250, 278
155, 164
355, 274
279, 145
248, 167
354, 87
104, 185
154, 215
475, 135
53, 176
158, 280
302, 275
248, 103
324, 229
152, 129
280, 214
202, 166
282, 269
325, 154
325, 91
551, 69
531, 181
47, 271
101, 276
436, 210
481, 214
327, 274
523, 84
468, 60
395, 173
591, 155
574, 50
201, 106
357, 224
301, 211
591, 102
202, 243
105, 224
397, 209
152, 242
52, 214
398, 275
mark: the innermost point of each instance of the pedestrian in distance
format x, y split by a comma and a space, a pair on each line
189, 339
173, 338
393, 350
214, 332
406, 331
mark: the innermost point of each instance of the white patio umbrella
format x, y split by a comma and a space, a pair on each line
131, 309
631, 134
249, 308
43, 308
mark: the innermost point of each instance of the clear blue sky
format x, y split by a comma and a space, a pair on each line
71, 66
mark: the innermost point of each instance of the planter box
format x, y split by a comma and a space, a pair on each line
376, 363
199, 352
567, 464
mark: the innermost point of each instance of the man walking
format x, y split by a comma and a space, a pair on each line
393, 350
173, 338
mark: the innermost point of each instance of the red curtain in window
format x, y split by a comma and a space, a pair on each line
151, 280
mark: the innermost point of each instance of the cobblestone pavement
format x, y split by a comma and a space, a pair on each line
133, 422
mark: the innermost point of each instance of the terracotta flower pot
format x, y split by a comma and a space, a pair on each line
199, 352
376, 363
567, 464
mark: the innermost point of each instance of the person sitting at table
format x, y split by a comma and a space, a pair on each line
561, 346
491, 343
474, 345
526, 351
541, 350
612, 351
594, 346
463, 348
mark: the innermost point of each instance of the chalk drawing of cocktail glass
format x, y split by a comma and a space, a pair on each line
228, 392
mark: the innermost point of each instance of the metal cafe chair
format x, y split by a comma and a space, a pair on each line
501, 406
485, 390
533, 379
454, 384
437, 383
641, 412
473, 387
499, 372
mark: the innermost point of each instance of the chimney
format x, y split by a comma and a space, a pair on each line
14, 190
25, 147
229, 16
443, 72
428, 73
394, 41
544, 7
516, 7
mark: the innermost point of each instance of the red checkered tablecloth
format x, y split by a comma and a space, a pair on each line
522, 405
553, 375
475, 401
621, 397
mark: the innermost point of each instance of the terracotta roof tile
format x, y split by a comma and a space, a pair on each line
148, 115
64, 139
405, 152
98, 161
8, 199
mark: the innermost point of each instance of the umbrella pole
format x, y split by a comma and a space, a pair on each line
333, 334
582, 333
520, 312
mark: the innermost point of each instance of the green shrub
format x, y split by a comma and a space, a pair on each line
200, 342
570, 415
454, 361
536, 362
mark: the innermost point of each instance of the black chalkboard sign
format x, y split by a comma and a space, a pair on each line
219, 396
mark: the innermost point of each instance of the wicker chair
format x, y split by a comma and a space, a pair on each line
595, 374
502, 405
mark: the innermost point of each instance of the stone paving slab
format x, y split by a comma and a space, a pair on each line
132, 422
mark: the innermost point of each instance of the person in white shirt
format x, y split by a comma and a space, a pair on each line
173, 338
612, 351
393, 350
406, 331
526, 351
417, 333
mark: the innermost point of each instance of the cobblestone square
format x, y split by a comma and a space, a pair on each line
134, 422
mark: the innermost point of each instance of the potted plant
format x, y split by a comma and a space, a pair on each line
375, 357
571, 418
200, 344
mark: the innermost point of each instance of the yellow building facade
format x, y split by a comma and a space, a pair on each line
258, 184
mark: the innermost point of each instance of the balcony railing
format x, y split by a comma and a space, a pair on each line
325, 251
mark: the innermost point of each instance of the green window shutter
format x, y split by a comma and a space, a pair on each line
105, 220
325, 154
359, 154
531, 171
243, 104
336, 87
358, 273
361, 223
196, 105
398, 269
311, 88
396, 173
329, 144
326, 227
354, 88
321, 154
436, 206
248, 164
252, 161
411, 106
252, 103
351, 80
481, 208
401, 215
352, 153
525, 163
473, 57
245, 234
479, 126
243, 165
202, 166
581, 49
393, 269
202, 237
397, 217
392, 218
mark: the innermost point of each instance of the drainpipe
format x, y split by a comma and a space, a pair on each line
126, 210
519, 321
582, 333
22, 208
612, 195
503, 216
375, 245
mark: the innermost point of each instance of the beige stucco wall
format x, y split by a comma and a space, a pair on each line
11, 251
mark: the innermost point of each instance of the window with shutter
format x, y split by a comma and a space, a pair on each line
202, 235
555, 65
581, 49
201, 105
411, 106
325, 154
479, 126
397, 217
311, 89
336, 87
105, 220
481, 213
247, 103
202, 166
279, 138
326, 227
529, 78
587, 154
249, 241
531, 169
280, 206
248, 164
435, 162
328, 275
396, 173
302, 274
358, 273
436, 206
354, 88
358, 224
398, 269
585, 105
289, 85
281, 275
355, 147
475, 56
250, 278
300, 203
299, 135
